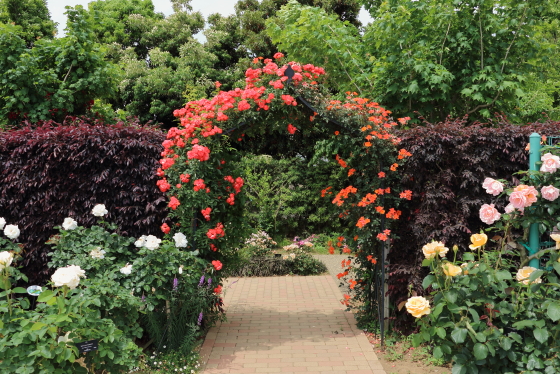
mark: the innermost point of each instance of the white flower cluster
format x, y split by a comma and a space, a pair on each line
69, 224
97, 253
11, 231
68, 276
6, 259
99, 210
150, 242
127, 269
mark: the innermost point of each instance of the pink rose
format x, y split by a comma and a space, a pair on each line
489, 214
492, 186
509, 208
518, 199
550, 193
550, 163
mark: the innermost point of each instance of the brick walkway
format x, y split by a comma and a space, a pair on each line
287, 325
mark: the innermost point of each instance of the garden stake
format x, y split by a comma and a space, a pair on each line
534, 157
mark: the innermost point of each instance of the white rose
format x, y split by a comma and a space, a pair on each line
99, 210
68, 276
6, 259
69, 224
181, 269
2, 222
140, 242
126, 270
11, 231
152, 242
180, 240
97, 253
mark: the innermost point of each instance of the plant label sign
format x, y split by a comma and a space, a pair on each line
90, 345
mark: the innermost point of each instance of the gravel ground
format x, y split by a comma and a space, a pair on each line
333, 265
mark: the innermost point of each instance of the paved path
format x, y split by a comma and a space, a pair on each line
287, 325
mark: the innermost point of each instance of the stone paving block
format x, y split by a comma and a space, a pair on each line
287, 325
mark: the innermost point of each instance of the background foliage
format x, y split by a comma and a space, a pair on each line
55, 171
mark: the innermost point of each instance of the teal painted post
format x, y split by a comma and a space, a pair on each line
534, 157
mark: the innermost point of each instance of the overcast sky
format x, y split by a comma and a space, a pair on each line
206, 7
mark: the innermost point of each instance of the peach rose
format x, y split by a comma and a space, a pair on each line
478, 240
524, 273
492, 186
556, 238
489, 214
418, 306
509, 208
451, 270
550, 193
550, 163
432, 249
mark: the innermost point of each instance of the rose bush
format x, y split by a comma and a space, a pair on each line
495, 314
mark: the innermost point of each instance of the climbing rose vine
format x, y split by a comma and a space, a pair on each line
198, 166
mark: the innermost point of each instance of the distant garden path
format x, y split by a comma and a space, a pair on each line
287, 324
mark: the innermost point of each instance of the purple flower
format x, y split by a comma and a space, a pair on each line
199, 319
209, 281
143, 298
201, 281
175, 284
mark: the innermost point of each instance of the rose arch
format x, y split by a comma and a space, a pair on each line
285, 103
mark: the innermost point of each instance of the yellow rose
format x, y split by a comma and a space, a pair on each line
451, 270
432, 249
418, 306
478, 240
556, 238
465, 268
524, 273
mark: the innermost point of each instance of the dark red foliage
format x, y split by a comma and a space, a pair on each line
53, 171
448, 165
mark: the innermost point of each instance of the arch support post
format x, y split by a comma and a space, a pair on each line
534, 235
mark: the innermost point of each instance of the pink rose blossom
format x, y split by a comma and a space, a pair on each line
518, 199
550, 193
550, 163
492, 186
509, 208
489, 214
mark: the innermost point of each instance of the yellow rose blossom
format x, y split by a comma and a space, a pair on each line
524, 273
418, 306
451, 270
478, 240
432, 249
556, 238
465, 268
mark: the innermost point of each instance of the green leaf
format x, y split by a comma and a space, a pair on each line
417, 340
438, 353
427, 282
458, 335
45, 296
553, 311
19, 290
556, 266
458, 369
37, 326
505, 343
480, 351
441, 332
467, 256
541, 335
503, 275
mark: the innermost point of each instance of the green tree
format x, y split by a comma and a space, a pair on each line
33, 17
54, 78
438, 57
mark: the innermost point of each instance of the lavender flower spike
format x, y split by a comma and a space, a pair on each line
201, 281
175, 284
209, 282
199, 319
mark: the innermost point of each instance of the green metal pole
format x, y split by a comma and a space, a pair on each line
534, 157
